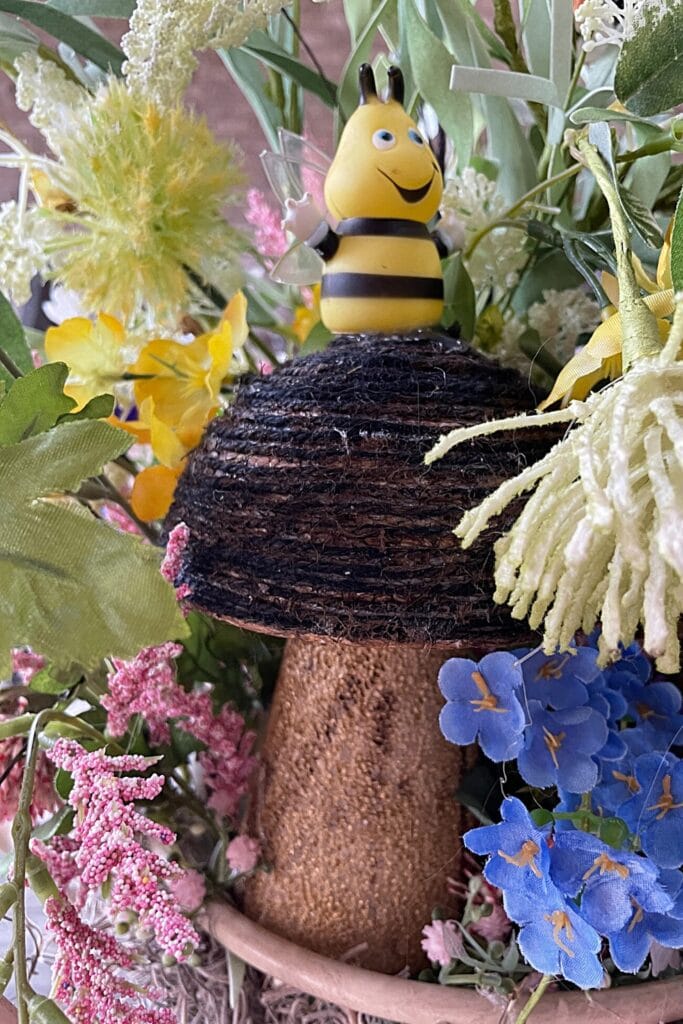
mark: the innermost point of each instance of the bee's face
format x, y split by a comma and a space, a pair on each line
383, 168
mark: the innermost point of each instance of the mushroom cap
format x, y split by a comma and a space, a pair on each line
311, 512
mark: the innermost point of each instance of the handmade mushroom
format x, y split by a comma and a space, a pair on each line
312, 516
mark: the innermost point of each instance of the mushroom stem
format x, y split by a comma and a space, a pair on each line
355, 805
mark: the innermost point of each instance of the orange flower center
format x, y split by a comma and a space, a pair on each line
666, 800
551, 669
561, 923
525, 857
630, 781
487, 701
553, 742
604, 864
637, 916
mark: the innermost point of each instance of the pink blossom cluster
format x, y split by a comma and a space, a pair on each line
59, 859
147, 686
107, 847
442, 942
243, 854
269, 237
87, 971
118, 518
25, 664
45, 799
178, 540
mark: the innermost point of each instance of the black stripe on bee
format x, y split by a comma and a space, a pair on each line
380, 286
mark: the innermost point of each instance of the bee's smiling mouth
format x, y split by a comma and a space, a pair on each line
410, 195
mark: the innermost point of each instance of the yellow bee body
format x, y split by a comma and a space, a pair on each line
382, 269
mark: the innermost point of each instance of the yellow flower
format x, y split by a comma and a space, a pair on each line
306, 317
184, 380
177, 397
96, 353
600, 359
146, 194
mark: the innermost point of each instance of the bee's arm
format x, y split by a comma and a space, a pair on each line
324, 241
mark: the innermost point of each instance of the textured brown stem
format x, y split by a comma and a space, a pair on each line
355, 803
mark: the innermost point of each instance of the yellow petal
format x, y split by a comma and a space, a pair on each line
153, 492
664, 279
587, 367
235, 313
94, 353
661, 303
610, 286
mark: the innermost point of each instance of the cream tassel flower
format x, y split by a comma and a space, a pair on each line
601, 537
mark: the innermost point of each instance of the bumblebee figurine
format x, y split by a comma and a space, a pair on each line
382, 268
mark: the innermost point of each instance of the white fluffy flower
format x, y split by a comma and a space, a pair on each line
602, 22
52, 99
562, 318
23, 240
601, 534
164, 35
471, 202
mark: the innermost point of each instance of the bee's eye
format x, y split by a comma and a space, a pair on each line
415, 137
383, 139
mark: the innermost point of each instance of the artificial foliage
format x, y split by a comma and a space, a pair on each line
189, 366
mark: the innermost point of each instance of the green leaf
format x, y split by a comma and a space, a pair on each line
245, 71
587, 115
459, 296
95, 8
649, 75
357, 14
677, 247
15, 39
34, 403
237, 970
318, 339
541, 817
44, 682
348, 87
84, 40
640, 218
432, 65
262, 46
13, 340
71, 587
98, 408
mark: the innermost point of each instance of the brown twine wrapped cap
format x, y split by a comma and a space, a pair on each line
311, 512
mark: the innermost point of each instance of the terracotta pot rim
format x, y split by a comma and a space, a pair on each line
415, 1002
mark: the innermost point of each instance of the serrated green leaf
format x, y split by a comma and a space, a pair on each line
98, 408
34, 403
432, 65
677, 247
13, 340
84, 40
260, 45
71, 587
94, 8
640, 218
649, 75
459, 297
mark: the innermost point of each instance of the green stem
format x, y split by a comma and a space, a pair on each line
659, 146
21, 834
639, 333
534, 999
10, 365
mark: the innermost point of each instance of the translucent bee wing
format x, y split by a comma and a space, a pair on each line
299, 266
291, 179
300, 151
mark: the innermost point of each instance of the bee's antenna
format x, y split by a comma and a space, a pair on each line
366, 80
396, 85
